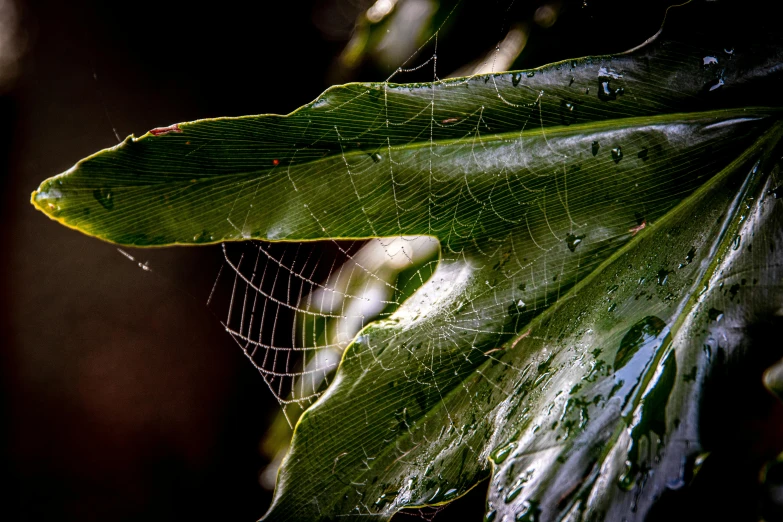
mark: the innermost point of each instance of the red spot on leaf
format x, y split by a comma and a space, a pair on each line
636, 229
160, 131
275, 162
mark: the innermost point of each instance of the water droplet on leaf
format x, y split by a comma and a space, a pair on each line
714, 84
639, 334
715, 314
514, 493
502, 453
449, 494
627, 479
606, 91
530, 512
104, 197
573, 241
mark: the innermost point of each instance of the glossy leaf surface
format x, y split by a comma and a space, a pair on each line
592, 216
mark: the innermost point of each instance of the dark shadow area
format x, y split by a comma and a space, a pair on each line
742, 428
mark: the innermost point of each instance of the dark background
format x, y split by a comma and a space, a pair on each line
122, 397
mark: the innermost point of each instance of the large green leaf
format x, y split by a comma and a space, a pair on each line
592, 215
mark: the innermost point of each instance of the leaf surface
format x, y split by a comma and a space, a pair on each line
590, 214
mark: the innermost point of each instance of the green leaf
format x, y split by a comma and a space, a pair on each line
592, 216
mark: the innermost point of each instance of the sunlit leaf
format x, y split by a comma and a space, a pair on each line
608, 227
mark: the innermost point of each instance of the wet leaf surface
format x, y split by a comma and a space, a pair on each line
593, 267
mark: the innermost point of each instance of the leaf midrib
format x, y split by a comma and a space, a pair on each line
592, 127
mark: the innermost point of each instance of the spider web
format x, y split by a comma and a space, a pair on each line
294, 307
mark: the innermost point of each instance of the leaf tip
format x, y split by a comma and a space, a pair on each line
45, 197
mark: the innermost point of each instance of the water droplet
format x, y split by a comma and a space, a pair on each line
690, 255
568, 113
612, 307
530, 512
710, 60
606, 91
735, 244
514, 493
449, 494
714, 84
715, 314
320, 102
663, 276
517, 308
530, 74
376, 157
639, 334
627, 479
643, 154
490, 516
777, 192
502, 453
729, 51
617, 154
516, 78
104, 197
698, 462
573, 241
595, 147
202, 236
